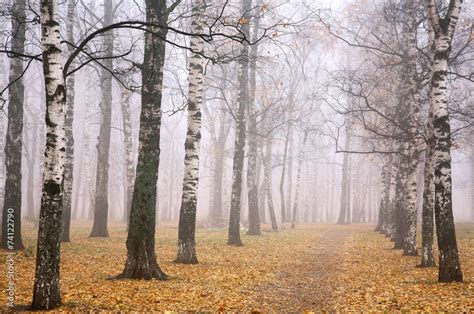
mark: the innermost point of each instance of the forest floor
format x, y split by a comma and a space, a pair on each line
315, 267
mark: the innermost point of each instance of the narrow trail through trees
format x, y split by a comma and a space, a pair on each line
307, 283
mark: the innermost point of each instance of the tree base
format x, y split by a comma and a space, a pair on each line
450, 271
46, 297
410, 251
254, 232
141, 264
186, 254
99, 234
143, 274
397, 246
450, 277
427, 264
427, 256
235, 242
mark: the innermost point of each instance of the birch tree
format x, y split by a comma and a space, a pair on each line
267, 177
101, 206
384, 192
69, 162
427, 222
427, 252
31, 153
46, 291
219, 139
282, 177
141, 260
252, 168
239, 150
411, 99
187, 217
345, 204
443, 27
298, 181
128, 151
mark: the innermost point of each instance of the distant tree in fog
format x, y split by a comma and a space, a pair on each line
13, 148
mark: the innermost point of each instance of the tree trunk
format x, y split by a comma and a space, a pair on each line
384, 191
472, 180
349, 193
187, 215
427, 220
46, 291
239, 153
217, 217
252, 169
219, 139
400, 204
31, 161
79, 193
370, 212
171, 183
356, 212
313, 191
128, 152
412, 98
345, 189
391, 205
262, 192
2, 143
449, 266
141, 259
282, 178
90, 188
267, 165
11, 236
333, 192
69, 162
290, 173
298, 181
427, 255
409, 236
101, 208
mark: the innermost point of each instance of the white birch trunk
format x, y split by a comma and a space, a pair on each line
449, 266
298, 181
69, 162
267, 165
187, 217
412, 94
128, 152
46, 291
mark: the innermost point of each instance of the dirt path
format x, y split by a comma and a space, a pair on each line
307, 282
